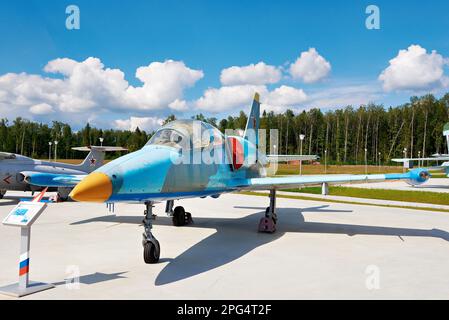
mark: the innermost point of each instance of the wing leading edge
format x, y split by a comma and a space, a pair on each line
416, 176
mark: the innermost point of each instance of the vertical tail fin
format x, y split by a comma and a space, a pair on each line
95, 158
252, 125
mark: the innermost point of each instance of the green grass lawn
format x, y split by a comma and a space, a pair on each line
381, 194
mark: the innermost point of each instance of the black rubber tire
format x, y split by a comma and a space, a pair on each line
179, 217
189, 219
275, 220
151, 252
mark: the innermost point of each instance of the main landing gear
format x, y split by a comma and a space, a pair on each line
151, 248
179, 216
268, 223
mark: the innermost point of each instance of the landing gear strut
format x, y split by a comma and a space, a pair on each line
151, 248
181, 217
268, 223
169, 207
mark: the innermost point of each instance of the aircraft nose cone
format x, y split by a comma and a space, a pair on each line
96, 187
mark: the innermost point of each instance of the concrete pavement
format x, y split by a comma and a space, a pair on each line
321, 250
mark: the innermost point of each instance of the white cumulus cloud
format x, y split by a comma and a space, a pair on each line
253, 74
163, 83
178, 105
227, 97
310, 67
286, 96
41, 108
414, 69
231, 97
143, 123
90, 86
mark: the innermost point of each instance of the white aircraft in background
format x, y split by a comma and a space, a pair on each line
409, 162
21, 173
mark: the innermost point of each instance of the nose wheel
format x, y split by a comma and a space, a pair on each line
151, 251
151, 247
181, 217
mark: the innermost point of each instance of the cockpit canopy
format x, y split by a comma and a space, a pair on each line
187, 134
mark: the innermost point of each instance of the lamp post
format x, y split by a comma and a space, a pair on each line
56, 149
379, 160
419, 161
325, 161
366, 164
101, 141
405, 156
301, 138
49, 150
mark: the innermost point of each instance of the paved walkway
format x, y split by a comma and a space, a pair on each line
364, 201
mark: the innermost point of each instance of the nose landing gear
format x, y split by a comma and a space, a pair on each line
151, 248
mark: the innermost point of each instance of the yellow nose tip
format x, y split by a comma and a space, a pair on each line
96, 187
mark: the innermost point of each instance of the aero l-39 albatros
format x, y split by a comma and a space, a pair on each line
165, 170
21, 173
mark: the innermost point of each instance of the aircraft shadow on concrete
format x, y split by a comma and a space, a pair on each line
95, 278
235, 237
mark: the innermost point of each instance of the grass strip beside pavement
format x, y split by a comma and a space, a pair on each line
300, 197
440, 198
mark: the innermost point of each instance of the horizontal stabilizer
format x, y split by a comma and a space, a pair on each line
421, 159
100, 148
293, 157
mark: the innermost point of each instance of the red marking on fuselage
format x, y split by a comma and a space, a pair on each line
238, 156
6, 179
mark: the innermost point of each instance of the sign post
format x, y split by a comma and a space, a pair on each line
23, 216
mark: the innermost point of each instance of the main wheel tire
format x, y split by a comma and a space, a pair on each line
151, 252
179, 216
189, 219
274, 217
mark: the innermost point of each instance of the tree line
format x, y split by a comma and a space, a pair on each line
350, 135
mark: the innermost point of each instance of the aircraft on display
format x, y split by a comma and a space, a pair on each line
167, 169
21, 173
437, 157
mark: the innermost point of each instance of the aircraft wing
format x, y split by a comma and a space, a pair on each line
416, 176
43, 179
7, 155
286, 158
421, 159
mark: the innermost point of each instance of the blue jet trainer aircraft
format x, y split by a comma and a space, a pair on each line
188, 158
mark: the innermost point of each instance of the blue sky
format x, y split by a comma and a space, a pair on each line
210, 36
